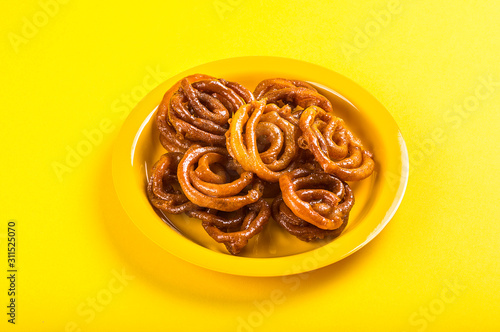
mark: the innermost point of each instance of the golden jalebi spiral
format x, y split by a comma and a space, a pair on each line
161, 186
334, 147
209, 178
317, 198
235, 231
197, 109
262, 140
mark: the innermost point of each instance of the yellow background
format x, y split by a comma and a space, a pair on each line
71, 68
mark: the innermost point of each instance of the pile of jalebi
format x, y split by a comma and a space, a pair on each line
228, 148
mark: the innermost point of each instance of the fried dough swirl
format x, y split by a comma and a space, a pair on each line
161, 186
273, 84
236, 235
197, 109
334, 147
299, 227
262, 140
209, 178
297, 94
317, 198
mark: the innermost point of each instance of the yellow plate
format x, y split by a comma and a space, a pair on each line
274, 252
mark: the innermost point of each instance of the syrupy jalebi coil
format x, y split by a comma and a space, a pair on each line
162, 191
273, 84
300, 228
196, 110
262, 140
320, 199
334, 147
297, 94
209, 178
235, 231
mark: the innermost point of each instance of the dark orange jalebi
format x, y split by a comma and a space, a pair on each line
334, 147
197, 110
262, 140
299, 227
221, 219
236, 235
209, 178
273, 84
297, 94
317, 198
161, 187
